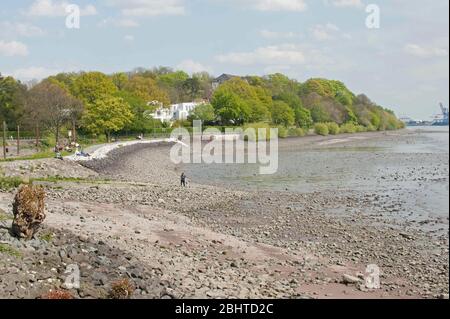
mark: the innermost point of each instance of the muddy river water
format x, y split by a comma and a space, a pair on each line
405, 173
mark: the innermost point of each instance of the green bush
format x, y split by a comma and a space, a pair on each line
333, 128
321, 129
361, 128
297, 131
253, 136
348, 128
283, 132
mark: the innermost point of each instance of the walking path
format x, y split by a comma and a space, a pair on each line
101, 151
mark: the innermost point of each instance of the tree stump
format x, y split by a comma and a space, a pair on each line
29, 211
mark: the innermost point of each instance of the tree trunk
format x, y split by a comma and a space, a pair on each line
18, 140
57, 136
37, 135
74, 131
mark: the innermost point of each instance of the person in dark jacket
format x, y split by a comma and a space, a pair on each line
183, 180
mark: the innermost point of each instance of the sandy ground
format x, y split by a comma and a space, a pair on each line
212, 242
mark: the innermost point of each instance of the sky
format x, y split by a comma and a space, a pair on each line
403, 64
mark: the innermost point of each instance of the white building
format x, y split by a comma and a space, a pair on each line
176, 112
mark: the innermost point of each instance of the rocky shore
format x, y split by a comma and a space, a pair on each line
128, 218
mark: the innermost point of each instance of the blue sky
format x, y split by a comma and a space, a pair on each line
403, 65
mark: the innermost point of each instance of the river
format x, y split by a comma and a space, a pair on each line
405, 171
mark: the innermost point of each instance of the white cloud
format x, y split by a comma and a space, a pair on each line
9, 29
13, 48
425, 52
278, 5
129, 38
345, 3
127, 23
278, 35
286, 54
191, 67
121, 23
272, 5
33, 73
148, 8
329, 31
51, 8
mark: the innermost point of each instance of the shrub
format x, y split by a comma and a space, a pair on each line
348, 128
121, 289
361, 128
297, 131
58, 295
28, 210
371, 128
333, 128
283, 132
321, 129
254, 132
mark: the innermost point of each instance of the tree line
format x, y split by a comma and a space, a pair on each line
101, 104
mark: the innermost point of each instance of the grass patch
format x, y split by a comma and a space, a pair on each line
48, 237
8, 250
40, 155
8, 183
79, 180
4, 216
56, 179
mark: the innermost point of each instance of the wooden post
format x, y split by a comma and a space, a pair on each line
4, 139
18, 140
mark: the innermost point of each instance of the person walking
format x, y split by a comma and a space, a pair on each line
183, 180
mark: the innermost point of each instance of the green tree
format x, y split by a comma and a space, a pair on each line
256, 101
203, 112
303, 118
141, 122
279, 83
106, 115
282, 114
120, 80
147, 90
12, 101
93, 85
52, 106
64, 80
329, 88
230, 108
290, 98
320, 114
173, 83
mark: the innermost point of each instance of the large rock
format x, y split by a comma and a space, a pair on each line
29, 211
349, 280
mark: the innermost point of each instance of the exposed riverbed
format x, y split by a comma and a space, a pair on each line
336, 205
407, 171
